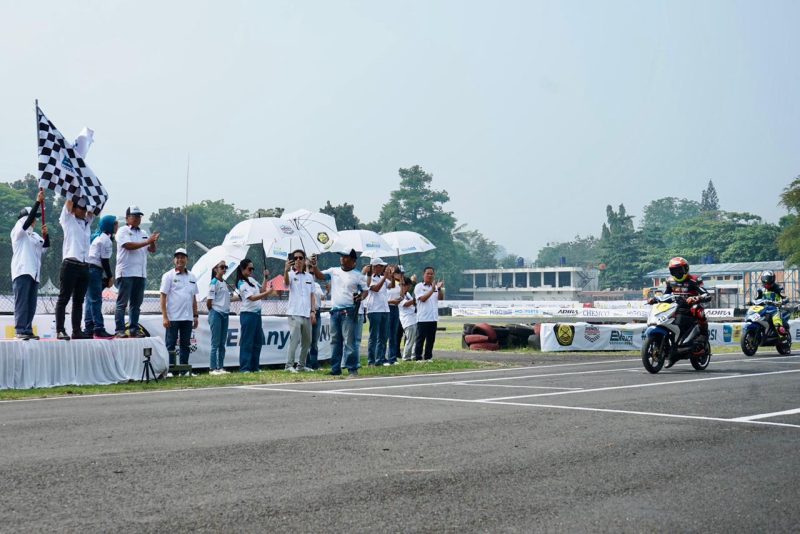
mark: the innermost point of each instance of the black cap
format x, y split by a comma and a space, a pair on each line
24, 212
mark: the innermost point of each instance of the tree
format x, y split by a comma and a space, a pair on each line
789, 238
582, 252
709, 200
268, 212
619, 251
343, 215
481, 252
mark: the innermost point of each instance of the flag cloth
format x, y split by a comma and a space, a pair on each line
63, 170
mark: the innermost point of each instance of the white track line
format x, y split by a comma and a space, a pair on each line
767, 415
526, 405
510, 386
634, 386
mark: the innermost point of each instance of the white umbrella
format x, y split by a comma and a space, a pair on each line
260, 230
203, 267
315, 233
406, 242
367, 242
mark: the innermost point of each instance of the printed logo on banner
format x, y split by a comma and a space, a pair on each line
727, 333
618, 337
591, 333
712, 334
565, 333
737, 333
567, 311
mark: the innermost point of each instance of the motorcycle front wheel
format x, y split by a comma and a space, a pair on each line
749, 342
700, 361
654, 351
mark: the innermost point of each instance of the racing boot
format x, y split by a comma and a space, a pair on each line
672, 360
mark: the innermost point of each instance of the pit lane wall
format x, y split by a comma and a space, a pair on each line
578, 336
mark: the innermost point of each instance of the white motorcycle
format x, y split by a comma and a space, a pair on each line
672, 332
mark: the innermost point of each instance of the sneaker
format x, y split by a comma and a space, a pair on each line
671, 361
386, 364
23, 337
291, 369
138, 334
307, 370
102, 334
62, 336
80, 335
33, 337
169, 375
121, 335
188, 373
222, 371
352, 373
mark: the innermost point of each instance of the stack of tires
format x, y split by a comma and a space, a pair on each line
481, 337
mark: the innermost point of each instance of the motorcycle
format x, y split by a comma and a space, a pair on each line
759, 331
672, 332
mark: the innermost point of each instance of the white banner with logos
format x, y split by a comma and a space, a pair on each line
583, 336
274, 351
509, 309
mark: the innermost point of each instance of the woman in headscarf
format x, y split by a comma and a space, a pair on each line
100, 277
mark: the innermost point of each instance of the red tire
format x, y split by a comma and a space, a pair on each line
475, 338
486, 330
484, 346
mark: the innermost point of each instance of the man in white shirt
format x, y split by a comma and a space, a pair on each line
427, 293
133, 245
179, 307
301, 311
76, 222
347, 289
26, 263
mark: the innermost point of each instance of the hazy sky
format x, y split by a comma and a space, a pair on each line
532, 115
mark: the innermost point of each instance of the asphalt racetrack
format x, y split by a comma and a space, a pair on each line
574, 445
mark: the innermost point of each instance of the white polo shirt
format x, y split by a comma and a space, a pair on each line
77, 234
245, 291
131, 263
343, 285
408, 315
220, 296
27, 248
378, 301
394, 293
180, 290
301, 286
319, 295
100, 249
427, 311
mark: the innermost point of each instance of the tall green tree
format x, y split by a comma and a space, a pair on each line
789, 239
619, 251
343, 214
580, 252
709, 200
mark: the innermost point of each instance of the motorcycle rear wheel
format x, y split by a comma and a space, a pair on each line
654, 351
701, 361
785, 347
749, 342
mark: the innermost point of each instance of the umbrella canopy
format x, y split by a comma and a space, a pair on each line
202, 268
260, 230
315, 233
367, 242
406, 242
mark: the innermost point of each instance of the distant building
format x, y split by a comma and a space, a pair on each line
734, 284
529, 283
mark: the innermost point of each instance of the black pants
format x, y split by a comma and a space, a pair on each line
74, 279
426, 333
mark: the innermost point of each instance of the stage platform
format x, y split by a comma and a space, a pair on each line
48, 362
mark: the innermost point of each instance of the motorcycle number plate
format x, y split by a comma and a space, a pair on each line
662, 307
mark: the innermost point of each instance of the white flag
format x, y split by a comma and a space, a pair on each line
84, 142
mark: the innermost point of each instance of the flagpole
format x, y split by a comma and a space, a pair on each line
36, 101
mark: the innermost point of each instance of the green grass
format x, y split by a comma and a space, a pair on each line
266, 376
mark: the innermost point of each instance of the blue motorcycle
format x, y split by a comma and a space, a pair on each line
759, 331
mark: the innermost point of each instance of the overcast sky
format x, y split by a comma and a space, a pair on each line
532, 115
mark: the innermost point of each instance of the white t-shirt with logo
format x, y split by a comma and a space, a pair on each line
220, 296
27, 248
131, 263
180, 289
100, 249
77, 234
301, 286
343, 285
427, 311
408, 315
378, 301
246, 290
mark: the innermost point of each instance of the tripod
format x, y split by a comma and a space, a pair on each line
148, 370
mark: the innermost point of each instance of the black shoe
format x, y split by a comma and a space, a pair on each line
62, 336
671, 361
80, 335
331, 373
138, 334
121, 335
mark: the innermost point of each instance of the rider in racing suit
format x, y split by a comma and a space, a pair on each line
774, 293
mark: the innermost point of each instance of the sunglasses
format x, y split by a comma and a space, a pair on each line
248, 268
299, 257
222, 267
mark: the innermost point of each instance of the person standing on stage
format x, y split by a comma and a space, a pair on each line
76, 222
26, 263
251, 336
133, 244
100, 277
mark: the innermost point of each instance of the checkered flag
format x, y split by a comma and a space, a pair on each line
63, 170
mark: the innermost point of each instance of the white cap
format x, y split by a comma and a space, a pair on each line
181, 251
133, 210
377, 261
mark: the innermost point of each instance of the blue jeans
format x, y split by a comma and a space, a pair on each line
130, 290
359, 330
313, 350
218, 323
26, 290
343, 326
93, 311
378, 335
182, 329
250, 341
395, 333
